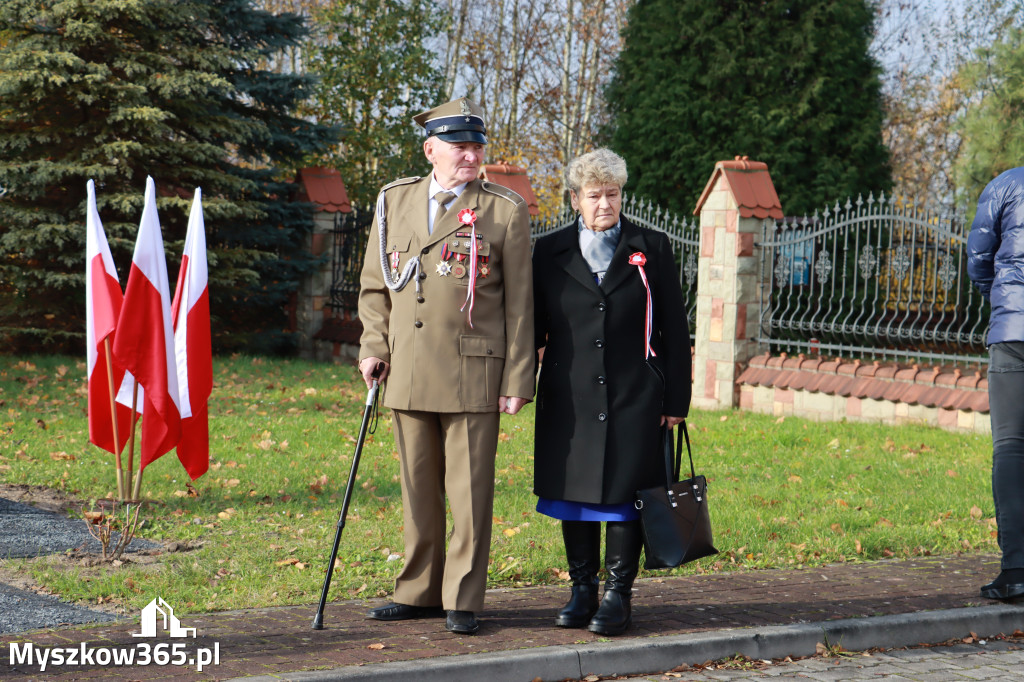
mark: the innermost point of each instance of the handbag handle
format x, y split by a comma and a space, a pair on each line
679, 453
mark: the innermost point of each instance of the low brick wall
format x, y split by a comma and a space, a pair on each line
830, 390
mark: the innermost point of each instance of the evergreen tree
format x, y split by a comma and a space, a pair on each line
116, 90
787, 82
376, 74
992, 127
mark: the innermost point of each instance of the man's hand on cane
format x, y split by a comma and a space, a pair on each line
373, 368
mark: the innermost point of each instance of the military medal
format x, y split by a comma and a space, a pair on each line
468, 217
443, 268
485, 269
394, 263
458, 270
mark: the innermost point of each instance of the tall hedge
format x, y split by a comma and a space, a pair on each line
116, 90
787, 82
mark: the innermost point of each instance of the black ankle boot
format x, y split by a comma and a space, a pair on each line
583, 551
622, 561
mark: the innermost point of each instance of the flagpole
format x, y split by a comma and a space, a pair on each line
113, 418
131, 438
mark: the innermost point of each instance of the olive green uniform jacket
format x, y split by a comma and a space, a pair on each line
439, 363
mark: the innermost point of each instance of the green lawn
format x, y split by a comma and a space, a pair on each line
783, 492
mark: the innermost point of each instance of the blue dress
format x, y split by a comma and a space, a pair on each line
585, 511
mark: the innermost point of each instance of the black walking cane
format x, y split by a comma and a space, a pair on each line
371, 400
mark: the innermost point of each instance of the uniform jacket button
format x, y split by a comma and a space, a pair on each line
602, 417
601, 379
419, 323
601, 306
419, 299
599, 343
423, 275
490, 352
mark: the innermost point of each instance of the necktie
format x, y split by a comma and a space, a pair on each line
441, 198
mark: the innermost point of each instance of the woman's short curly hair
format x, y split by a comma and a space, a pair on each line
599, 167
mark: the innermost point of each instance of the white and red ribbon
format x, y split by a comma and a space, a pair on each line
468, 217
639, 260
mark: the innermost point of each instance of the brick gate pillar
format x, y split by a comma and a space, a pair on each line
732, 208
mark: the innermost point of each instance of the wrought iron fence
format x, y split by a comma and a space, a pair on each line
349, 245
874, 278
683, 234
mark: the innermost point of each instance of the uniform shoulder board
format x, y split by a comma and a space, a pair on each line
402, 181
502, 191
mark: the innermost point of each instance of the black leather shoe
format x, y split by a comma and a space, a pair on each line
614, 615
581, 607
1009, 585
396, 611
461, 622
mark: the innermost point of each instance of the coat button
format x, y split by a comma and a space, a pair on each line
602, 417
601, 379
599, 343
423, 275
601, 306
425, 251
419, 299
418, 324
490, 352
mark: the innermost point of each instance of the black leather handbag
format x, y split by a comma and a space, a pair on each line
675, 520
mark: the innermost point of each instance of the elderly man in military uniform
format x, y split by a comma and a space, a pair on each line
446, 303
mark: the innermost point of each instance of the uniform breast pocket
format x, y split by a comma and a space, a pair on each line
483, 361
398, 251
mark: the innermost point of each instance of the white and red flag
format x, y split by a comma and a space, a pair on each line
190, 312
103, 300
144, 342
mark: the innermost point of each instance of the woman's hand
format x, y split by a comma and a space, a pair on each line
671, 421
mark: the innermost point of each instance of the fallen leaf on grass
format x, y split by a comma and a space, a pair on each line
504, 437
61, 455
952, 474
975, 512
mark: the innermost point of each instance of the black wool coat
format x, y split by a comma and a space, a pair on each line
599, 402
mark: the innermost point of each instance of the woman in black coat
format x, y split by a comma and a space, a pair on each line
608, 383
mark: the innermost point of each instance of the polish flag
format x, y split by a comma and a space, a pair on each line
190, 312
103, 300
144, 343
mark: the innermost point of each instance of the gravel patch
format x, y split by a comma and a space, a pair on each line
21, 611
26, 531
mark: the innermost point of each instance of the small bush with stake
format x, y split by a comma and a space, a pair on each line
102, 526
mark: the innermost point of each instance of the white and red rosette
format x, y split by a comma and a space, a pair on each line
640, 260
467, 216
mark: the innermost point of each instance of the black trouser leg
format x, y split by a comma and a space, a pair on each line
622, 561
583, 552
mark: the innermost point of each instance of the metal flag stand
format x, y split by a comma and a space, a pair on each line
371, 405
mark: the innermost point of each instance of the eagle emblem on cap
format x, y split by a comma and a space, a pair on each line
465, 108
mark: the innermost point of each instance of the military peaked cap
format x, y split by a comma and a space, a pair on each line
460, 120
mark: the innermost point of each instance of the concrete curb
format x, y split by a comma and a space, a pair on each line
656, 654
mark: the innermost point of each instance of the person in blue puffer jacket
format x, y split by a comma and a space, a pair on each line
995, 263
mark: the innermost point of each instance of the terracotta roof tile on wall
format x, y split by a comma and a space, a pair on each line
751, 185
325, 188
914, 385
515, 178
